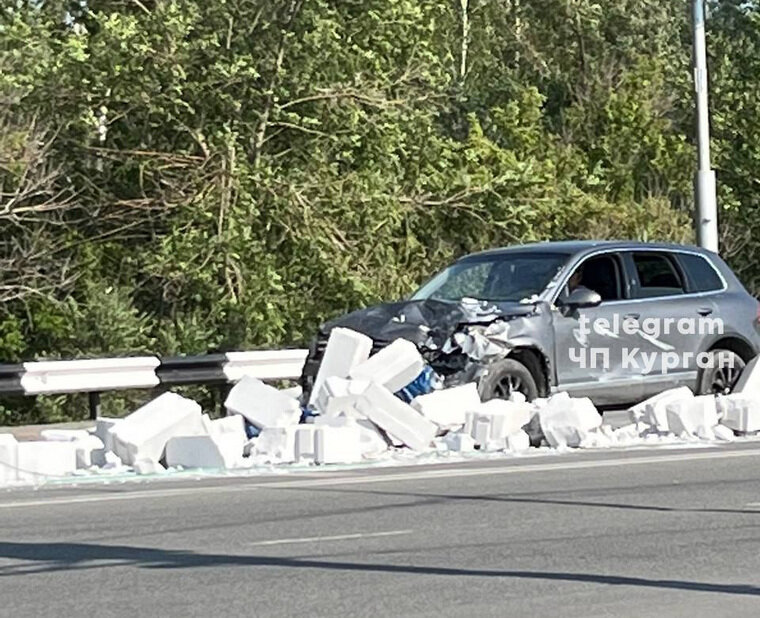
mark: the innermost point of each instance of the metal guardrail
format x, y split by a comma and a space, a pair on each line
98, 375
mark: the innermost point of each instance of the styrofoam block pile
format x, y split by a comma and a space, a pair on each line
749, 380
8, 459
653, 411
41, 460
740, 412
371, 442
338, 396
143, 434
695, 416
566, 421
448, 407
494, 420
262, 405
393, 367
397, 418
345, 349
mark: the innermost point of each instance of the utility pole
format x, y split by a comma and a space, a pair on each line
704, 184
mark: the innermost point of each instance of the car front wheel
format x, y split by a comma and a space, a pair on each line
505, 377
721, 373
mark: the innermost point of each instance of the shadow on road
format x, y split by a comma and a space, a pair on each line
433, 498
50, 557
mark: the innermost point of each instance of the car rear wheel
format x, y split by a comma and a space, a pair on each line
722, 373
505, 377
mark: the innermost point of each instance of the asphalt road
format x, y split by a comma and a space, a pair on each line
643, 533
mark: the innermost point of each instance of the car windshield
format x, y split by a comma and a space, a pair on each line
498, 277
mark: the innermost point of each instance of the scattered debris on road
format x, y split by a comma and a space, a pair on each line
365, 408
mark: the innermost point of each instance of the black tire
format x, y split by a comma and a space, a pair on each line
505, 376
720, 378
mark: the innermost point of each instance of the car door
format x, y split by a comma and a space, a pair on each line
675, 323
591, 343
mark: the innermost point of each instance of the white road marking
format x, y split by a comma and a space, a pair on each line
752, 505
337, 537
447, 472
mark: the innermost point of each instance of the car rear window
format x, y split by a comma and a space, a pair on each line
657, 275
701, 273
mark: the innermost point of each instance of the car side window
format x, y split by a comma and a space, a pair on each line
701, 273
600, 274
657, 275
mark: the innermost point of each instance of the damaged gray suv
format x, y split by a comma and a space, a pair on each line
613, 321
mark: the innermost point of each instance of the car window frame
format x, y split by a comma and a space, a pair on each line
636, 286
690, 280
621, 269
624, 255
674, 253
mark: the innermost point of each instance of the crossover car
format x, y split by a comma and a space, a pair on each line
613, 321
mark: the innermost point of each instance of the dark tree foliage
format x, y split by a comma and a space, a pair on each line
180, 176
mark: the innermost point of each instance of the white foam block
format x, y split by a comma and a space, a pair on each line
749, 381
724, 433
740, 412
338, 396
481, 430
566, 421
345, 349
63, 435
447, 408
692, 416
305, 443
40, 460
103, 427
395, 366
276, 444
8, 459
459, 442
89, 451
337, 445
371, 441
263, 405
232, 425
143, 434
219, 451
147, 466
294, 391
652, 411
397, 418
626, 435
503, 418
517, 442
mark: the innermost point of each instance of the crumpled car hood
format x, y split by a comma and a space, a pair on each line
425, 321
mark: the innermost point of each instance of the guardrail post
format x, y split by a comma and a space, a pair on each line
94, 405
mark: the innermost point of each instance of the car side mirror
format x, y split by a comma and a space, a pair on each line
582, 297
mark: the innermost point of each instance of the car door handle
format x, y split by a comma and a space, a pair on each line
631, 316
704, 311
